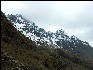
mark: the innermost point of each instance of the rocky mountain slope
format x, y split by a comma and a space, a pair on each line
20, 53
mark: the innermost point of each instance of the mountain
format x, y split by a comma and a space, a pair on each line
20, 53
59, 39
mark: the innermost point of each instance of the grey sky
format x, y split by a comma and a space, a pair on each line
75, 17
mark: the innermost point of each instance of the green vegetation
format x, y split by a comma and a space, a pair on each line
19, 52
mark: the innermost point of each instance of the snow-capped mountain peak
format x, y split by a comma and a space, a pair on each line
42, 37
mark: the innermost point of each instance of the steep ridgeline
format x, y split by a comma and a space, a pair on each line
55, 40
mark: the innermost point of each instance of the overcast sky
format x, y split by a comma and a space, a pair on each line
74, 17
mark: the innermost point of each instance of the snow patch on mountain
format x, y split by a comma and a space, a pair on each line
59, 39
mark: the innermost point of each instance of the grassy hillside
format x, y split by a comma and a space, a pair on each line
18, 52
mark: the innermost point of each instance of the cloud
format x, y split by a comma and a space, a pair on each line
75, 17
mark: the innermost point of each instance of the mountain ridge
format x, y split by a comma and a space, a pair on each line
58, 40
21, 53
